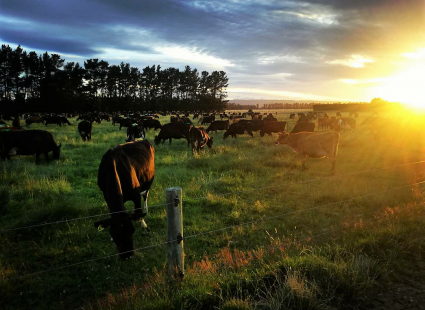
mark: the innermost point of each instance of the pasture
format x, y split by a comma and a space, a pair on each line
325, 242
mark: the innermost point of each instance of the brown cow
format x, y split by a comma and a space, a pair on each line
198, 138
311, 144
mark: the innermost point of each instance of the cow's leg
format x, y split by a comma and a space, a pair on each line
46, 156
37, 158
170, 140
303, 159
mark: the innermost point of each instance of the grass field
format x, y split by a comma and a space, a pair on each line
331, 256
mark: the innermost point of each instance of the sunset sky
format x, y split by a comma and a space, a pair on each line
316, 49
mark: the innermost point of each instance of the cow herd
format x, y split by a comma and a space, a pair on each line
127, 171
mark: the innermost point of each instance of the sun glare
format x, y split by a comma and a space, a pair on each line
406, 87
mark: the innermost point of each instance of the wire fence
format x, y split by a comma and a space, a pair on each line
222, 195
265, 219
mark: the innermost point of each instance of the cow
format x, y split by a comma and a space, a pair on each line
311, 144
270, 127
348, 121
270, 118
173, 131
85, 129
126, 122
125, 173
303, 126
135, 131
324, 122
206, 119
198, 138
238, 129
28, 142
292, 116
218, 125
151, 123
33, 119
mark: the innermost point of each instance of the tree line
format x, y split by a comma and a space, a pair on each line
45, 83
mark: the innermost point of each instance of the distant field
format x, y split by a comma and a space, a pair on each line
332, 255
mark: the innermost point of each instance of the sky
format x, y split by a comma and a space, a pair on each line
316, 49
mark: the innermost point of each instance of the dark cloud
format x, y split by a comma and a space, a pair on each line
35, 41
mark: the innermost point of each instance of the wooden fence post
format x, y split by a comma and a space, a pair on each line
175, 252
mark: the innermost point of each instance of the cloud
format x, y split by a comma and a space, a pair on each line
354, 61
418, 54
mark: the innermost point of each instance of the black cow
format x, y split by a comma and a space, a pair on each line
28, 142
33, 119
58, 120
207, 119
151, 123
127, 122
125, 173
304, 126
270, 127
173, 131
198, 138
135, 131
218, 125
85, 129
238, 129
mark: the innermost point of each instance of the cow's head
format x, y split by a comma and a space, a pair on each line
283, 138
121, 230
57, 151
226, 134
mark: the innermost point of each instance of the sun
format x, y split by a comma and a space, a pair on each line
406, 87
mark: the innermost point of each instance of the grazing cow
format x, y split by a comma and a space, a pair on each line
173, 131
151, 123
33, 119
348, 121
28, 142
238, 129
125, 173
311, 144
207, 119
198, 138
135, 131
270, 127
126, 122
85, 129
304, 126
218, 125
270, 118
58, 120
324, 122
292, 116
255, 125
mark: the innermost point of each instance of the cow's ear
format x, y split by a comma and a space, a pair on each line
103, 224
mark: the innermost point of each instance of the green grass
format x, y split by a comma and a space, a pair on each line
269, 265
